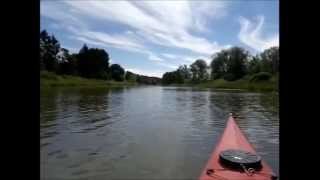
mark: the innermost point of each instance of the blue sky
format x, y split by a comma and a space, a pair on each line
152, 37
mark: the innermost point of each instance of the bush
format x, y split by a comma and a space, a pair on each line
48, 75
229, 77
246, 77
117, 72
262, 76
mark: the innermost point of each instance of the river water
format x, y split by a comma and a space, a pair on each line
147, 132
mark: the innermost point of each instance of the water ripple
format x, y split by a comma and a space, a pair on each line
162, 132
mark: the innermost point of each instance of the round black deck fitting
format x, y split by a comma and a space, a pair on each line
239, 159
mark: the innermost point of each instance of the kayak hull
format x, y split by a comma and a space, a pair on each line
233, 138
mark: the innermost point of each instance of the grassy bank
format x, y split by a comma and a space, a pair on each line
243, 84
48, 79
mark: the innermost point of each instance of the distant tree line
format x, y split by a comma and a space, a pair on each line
87, 63
229, 64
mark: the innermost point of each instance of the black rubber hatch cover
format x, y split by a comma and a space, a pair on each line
236, 158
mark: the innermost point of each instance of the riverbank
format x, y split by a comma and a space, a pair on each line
49, 79
243, 84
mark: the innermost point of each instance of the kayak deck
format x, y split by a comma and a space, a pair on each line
233, 138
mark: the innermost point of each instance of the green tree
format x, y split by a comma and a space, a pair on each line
219, 64
49, 48
69, 65
130, 76
148, 80
93, 63
117, 72
231, 64
254, 65
237, 62
199, 70
270, 60
84, 49
178, 77
185, 72
170, 77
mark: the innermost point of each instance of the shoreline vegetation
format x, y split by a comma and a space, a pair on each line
50, 80
238, 85
234, 68
90, 67
243, 84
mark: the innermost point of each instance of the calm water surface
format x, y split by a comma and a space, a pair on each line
147, 132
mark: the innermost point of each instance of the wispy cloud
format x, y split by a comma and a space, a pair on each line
186, 59
106, 40
155, 73
58, 11
170, 56
154, 57
251, 34
151, 27
169, 66
206, 11
165, 23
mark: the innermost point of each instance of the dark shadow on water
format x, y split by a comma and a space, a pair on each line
48, 116
48, 107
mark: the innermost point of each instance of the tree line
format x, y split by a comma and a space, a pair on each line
229, 64
87, 63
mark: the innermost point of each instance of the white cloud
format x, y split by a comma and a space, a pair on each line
251, 35
156, 73
185, 40
55, 26
154, 57
147, 23
207, 10
170, 56
89, 41
168, 65
58, 11
165, 23
119, 41
186, 59
114, 40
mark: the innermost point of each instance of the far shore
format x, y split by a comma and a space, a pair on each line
239, 85
49, 80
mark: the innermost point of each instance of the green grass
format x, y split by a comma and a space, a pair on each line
242, 84
49, 79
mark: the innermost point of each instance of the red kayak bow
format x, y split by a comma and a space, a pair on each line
234, 141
